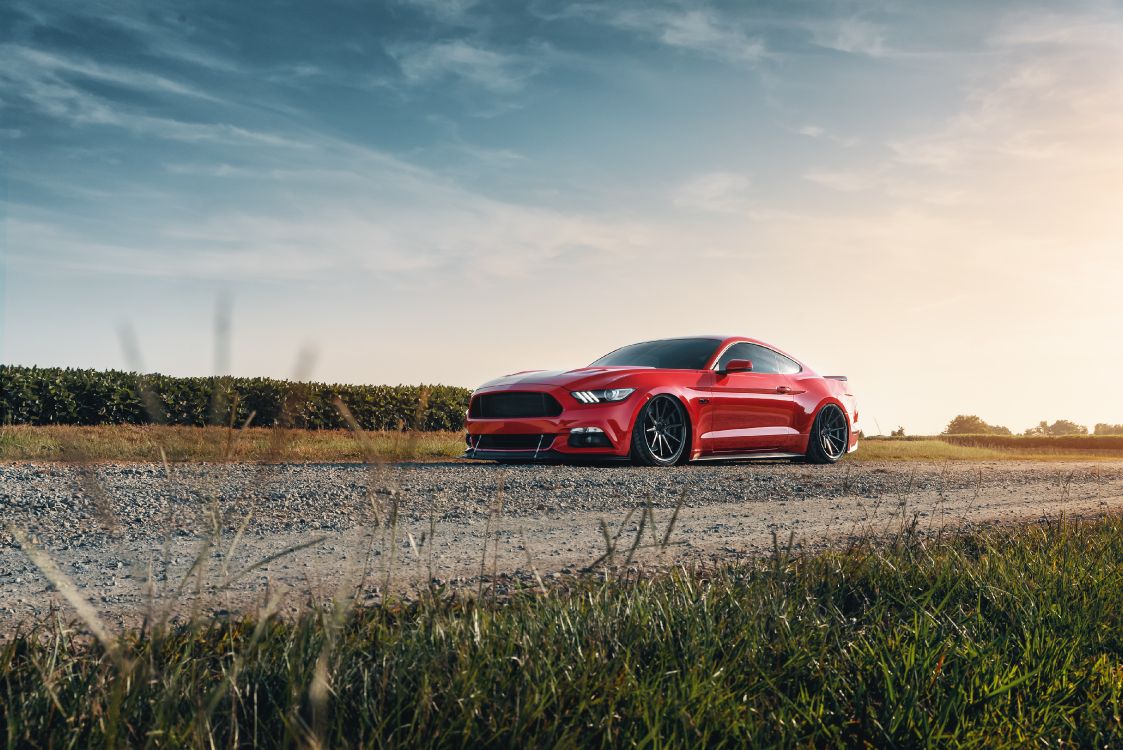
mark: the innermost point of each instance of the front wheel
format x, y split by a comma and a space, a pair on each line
830, 436
661, 436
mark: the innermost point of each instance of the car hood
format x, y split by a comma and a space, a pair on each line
584, 377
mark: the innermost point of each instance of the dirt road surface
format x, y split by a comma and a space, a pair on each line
135, 539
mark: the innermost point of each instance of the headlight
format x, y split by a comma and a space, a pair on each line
596, 397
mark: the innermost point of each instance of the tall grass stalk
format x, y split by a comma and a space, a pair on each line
1008, 638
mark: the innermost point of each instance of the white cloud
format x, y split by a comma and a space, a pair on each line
716, 192
343, 210
499, 72
212, 170
820, 133
46, 82
699, 30
18, 59
160, 26
1071, 29
851, 35
1057, 94
445, 10
845, 182
1064, 106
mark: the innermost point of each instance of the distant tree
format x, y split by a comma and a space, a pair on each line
1108, 429
1059, 428
1065, 427
899, 432
969, 424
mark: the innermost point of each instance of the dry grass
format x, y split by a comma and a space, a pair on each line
935, 449
143, 443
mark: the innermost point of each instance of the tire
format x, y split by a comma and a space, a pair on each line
830, 436
661, 435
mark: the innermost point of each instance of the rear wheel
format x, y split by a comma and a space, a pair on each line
661, 436
830, 436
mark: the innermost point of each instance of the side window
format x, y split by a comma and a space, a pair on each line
772, 362
765, 361
786, 366
737, 351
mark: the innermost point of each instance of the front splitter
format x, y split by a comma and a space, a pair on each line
543, 457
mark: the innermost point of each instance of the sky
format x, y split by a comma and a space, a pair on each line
926, 197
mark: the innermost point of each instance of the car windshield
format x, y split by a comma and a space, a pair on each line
668, 354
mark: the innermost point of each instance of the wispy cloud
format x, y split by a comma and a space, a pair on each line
715, 192
1065, 73
701, 30
845, 182
57, 86
1061, 103
160, 28
851, 35
445, 10
499, 72
820, 133
351, 210
18, 59
1080, 29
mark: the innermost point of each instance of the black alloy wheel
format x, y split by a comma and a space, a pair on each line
661, 436
830, 436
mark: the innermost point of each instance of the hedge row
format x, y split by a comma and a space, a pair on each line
51, 395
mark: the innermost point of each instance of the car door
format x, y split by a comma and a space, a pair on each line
753, 411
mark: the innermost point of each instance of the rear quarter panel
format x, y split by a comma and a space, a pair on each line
817, 393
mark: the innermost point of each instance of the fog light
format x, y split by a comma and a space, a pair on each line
588, 437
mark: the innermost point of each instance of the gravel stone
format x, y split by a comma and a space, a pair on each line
108, 525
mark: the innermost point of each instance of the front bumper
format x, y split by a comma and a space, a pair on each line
545, 457
614, 420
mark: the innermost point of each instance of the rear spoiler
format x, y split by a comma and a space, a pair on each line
836, 377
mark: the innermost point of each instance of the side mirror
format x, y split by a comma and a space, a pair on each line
738, 365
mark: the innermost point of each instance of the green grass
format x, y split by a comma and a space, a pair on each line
1007, 638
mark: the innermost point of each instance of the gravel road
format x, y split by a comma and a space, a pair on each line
128, 535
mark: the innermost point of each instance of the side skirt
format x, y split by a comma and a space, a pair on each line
741, 456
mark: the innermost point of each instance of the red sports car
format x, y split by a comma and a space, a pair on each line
666, 402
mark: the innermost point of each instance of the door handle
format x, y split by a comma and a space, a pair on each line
783, 389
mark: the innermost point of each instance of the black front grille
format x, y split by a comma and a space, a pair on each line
512, 442
514, 405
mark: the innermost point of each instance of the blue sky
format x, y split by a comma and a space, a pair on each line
446, 191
